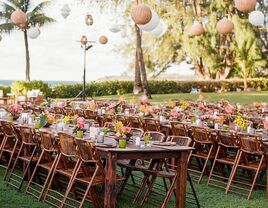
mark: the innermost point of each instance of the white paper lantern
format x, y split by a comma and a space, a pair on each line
33, 32
159, 30
115, 28
154, 22
65, 11
256, 18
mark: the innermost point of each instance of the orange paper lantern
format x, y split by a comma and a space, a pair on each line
225, 26
103, 39
196, 29
18, 17
141, 14
245, 5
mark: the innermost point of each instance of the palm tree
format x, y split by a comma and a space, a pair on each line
248, 58
35, 17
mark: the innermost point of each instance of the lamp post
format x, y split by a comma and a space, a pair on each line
86, 45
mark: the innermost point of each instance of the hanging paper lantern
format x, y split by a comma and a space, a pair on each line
159, 30
115, 28
18, 17
65, 11
89, 20
152, 24
245, 5
196, 29
256, 18
224, 26
83, 40
141, 14
103, 39
33, 32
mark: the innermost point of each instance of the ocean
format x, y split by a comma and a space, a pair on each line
51, 83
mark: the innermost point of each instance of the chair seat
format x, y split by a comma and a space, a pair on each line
227, 160
203, 155
253, 166
27, 158
46, 165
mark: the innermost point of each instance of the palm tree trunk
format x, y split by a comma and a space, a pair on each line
137, 82
141, 64
245, 84
27, 56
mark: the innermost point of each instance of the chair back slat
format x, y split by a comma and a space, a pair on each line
151, 124
28, 135
67, 144
201, 134
251, 144
156, 136
180, 140
179, 129
47, 141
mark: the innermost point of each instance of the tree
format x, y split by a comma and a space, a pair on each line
36, 17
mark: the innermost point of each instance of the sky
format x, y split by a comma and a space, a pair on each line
57, 55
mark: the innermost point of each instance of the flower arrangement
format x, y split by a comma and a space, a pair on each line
171, 104
121, 130
80, 123
240, 121
143, 100
61, 104
184, 104
14, 109
207, 118
146, 110
174, 113
91, 105
257, 105
67, 119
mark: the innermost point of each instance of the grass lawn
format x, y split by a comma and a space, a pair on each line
209, 198
233, 97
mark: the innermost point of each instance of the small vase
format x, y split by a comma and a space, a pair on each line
80, 134
122, 143
9, 118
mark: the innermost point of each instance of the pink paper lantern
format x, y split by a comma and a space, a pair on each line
225, 26
245, 5
141, 14
196, 29
18, 17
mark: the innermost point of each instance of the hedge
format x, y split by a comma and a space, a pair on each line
124, 87
5, 89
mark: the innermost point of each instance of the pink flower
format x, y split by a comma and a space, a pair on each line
14, 108
265, 124
61, 104
126, 129
81, 122
201, 105
143, 100
229, 108
174, 113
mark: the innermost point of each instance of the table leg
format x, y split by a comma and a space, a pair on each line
181, 180
110, 180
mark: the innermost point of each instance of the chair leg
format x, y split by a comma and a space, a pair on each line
35, 169
142, 187
255, 178
205, 165
213, 165
170, 190
27, 168
15, 163
233, 173
149, 190
193, 190
10, 159
3, 144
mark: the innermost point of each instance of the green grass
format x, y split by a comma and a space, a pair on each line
233, 97
209, 198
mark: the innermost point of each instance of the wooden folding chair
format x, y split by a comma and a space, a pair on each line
226, 156
151, 124
251, 158
65, 166
93, 175
135, 122
179, 129
28, 154
46, 162
203, 152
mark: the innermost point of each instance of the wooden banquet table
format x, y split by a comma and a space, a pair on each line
132, 152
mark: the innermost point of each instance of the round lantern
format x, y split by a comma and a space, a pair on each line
65, 11
83, 40
114, 28
256, 18
224, 26
245, 5
89, 20
152, 24
196, 29
141, 14
103, 39
18, 17
33, 32
159, 30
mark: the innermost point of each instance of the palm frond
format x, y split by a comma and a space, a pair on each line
7, 27
38, 8
40, 19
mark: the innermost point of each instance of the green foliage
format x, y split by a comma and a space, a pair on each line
22, 87
5, 89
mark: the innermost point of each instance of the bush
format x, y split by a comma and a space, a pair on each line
5, 89
22, 87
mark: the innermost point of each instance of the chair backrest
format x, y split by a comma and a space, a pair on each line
201, 135
28, 135
179, 129
251, 144
48, 141
59, 110
151, 124
137, 132
122, 119
135, 122
156, 136
68, 112
80, 112
180, 140
7, 129
67, 144
227, 139
89, 114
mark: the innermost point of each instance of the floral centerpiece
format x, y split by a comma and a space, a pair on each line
174, 114
241, 122
122, 131
14, 110
91, 105
67, 119
184, 104
79, 129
